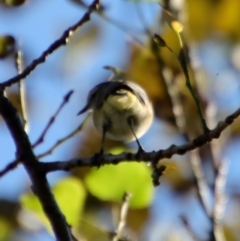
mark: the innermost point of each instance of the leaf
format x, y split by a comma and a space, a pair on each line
7, 45
159, 41
109, 183
14, 3
70, 196
5, 229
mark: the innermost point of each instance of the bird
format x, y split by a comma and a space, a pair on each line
121, 111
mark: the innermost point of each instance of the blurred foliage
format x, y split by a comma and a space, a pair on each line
8, 218
109, 183
7, 45
226, 17
70, 196
5, 229
201, 19
175, 176
229, 234
13, 3
205, 18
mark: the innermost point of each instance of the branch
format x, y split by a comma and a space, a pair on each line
12, 165
65, 138
186, 224
220, 200
54, 46
22, 89
123, 217
201, 183
52, 119
40, 186
143, 156
183, 62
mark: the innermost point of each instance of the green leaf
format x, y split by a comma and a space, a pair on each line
109, 183
70, 196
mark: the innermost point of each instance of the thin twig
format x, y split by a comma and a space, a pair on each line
110, 20
12, 165
108, 159
176, 102
220, 200
188, 227
177, 28
183, 62
64, 139
202, 187
54, 46
123, 217
53, 118
215, 145
141, 17
221, 170
22, 90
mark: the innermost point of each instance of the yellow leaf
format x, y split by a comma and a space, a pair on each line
70, 196
109, 183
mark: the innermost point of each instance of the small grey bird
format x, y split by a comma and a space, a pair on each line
121, 110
